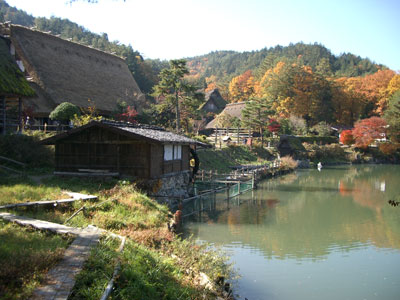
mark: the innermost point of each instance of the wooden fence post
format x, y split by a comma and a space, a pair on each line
216, 138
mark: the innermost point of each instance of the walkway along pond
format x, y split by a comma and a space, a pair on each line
208, 185
310, 235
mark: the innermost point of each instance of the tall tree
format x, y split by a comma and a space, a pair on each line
392, 116
368, 130
256, 115
241, 88
173, 89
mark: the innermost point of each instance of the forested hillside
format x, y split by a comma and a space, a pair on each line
226, 64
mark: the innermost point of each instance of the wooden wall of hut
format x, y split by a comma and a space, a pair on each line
102, 149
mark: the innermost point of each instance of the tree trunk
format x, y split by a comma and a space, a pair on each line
178, 117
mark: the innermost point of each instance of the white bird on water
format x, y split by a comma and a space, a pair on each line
319, 166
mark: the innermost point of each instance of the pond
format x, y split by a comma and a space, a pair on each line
328, 234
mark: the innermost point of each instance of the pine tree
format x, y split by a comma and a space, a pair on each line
256, 115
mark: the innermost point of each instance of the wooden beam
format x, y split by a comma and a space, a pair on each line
20, 114
4, 114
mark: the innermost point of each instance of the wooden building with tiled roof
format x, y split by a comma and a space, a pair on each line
123, 149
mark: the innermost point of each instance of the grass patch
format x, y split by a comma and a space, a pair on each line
131, 209
25, 257
166, 273
23, 189
155, 264
233, 155
97, 271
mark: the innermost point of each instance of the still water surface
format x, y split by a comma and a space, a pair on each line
312, 235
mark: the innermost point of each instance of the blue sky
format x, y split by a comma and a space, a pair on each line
168, 29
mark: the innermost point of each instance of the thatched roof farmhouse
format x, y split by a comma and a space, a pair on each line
13, 86
63, 71
214, 102
232, 109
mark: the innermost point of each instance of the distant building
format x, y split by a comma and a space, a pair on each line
62, 71
214, 102
232, 109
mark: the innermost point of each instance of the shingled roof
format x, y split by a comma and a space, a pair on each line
12, 80
71, 72
146, 132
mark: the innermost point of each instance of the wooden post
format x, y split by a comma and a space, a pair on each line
239, 187
238, 137
20, 115
216, 138
252, 180
202, 175
4, 115
227, 191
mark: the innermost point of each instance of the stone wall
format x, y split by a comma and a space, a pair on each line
171, 185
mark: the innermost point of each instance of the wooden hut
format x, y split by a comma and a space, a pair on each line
64, 71
125, 149
13, 86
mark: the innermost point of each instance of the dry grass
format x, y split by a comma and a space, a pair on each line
288, 163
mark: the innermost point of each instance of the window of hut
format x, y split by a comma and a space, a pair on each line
168, 152
177, 152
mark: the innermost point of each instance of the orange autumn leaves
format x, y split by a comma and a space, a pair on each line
295, 89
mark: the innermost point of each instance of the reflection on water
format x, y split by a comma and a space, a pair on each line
333, 228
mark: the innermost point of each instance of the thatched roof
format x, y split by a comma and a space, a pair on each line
12, 80
215, 97
70, 72
232, 109
152, 134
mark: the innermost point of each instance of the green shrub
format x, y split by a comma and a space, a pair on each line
26, 149
65, 112
324, 153
321, 140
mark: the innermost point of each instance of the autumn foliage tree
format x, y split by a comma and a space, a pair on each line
296, 90
273, 125
346, 137
368, 130
241, 88
128, 115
